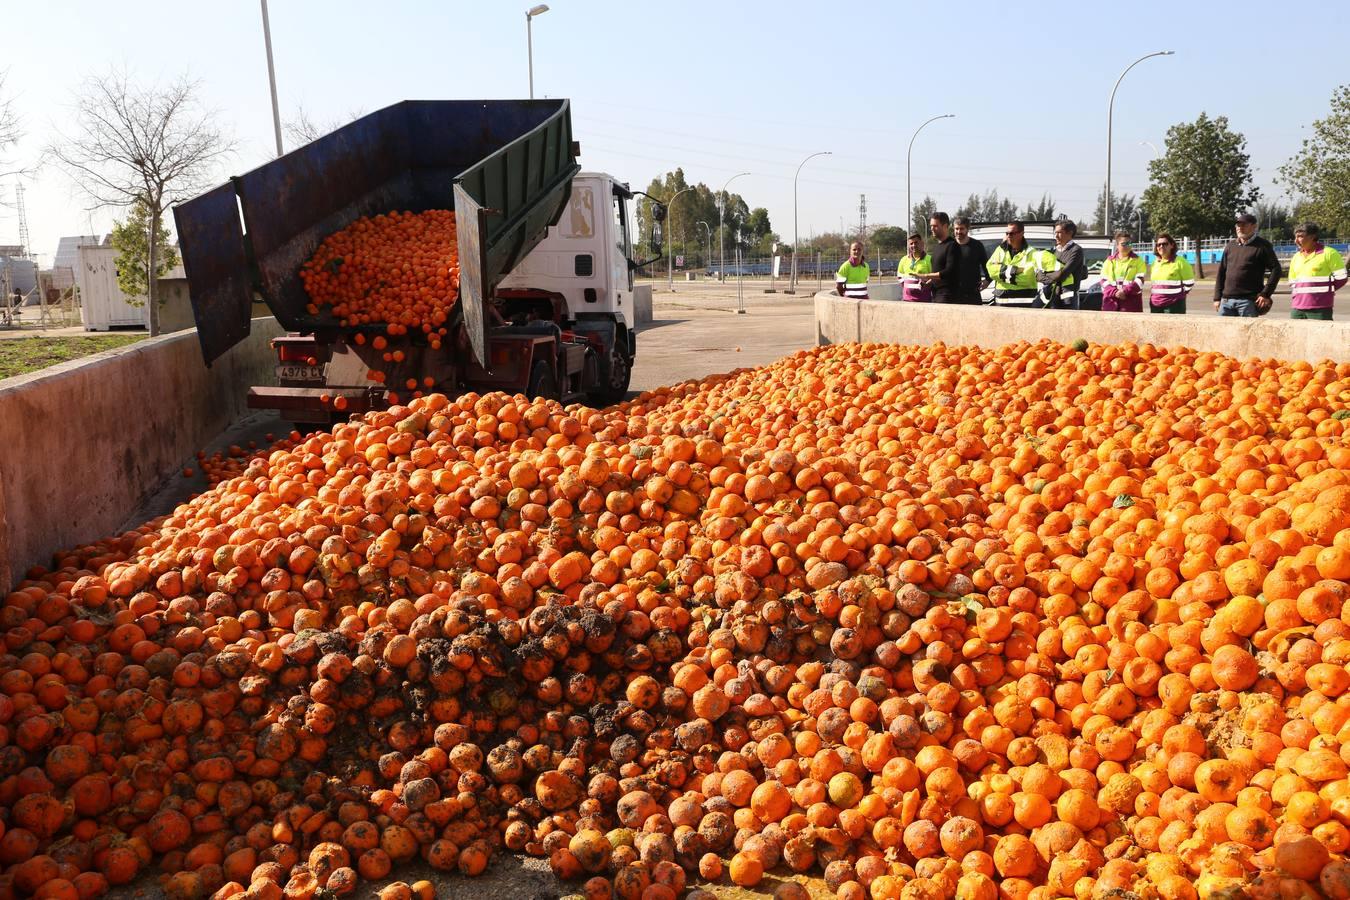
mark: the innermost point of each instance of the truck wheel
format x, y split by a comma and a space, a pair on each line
543, 381
615, 374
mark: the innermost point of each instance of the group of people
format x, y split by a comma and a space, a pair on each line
958, 269
954, 272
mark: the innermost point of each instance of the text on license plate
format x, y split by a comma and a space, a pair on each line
299, 373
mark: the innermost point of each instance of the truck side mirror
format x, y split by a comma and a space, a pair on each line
658, 211
657, 240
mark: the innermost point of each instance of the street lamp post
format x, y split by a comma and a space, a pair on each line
909, 196
271, 75
721, 228
1152, 146
792, 288
707, 254
529, 38
1110, 113
670, 238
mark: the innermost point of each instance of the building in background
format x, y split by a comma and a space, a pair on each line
68, 249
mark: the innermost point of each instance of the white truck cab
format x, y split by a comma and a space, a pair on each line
584, 266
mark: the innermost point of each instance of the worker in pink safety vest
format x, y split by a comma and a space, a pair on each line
1123, 278
1316, 273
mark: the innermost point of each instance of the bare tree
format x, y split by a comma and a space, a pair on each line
302, 129
9, 126
152, 145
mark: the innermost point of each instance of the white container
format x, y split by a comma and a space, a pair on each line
102, 303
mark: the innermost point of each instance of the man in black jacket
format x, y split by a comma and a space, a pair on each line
1248, 273
945, 277
971, 277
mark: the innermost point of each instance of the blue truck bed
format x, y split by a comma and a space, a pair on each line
505, 166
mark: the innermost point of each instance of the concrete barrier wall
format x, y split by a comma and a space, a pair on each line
839, 320
86, 441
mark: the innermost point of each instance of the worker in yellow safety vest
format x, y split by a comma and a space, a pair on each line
1013, 267
1172, 278
851, 280
918, 262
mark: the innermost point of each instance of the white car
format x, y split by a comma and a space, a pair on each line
1096, 248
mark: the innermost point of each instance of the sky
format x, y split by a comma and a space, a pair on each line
715, 88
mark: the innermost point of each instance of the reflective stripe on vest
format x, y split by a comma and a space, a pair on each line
1172, 287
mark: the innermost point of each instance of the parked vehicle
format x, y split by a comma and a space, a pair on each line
545, 255
1096, 248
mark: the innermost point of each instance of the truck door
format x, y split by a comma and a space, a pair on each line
620, 272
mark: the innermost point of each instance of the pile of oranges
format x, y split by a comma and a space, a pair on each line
892, 622
399, 270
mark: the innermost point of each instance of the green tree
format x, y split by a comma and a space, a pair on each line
888, 239
1274, 221
757, 223
131, 238
1124, 209
699, 204
1040, 212
1200, 181
922, 212
989, 208
1319, 173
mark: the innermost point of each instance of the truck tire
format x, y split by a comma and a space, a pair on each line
615, 373
543, 381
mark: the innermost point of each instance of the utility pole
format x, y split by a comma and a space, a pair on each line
271, 76
862, 218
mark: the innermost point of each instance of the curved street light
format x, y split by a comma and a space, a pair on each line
792, 288
529, 37
909, 196
721, 227
1110, 113
707, 254
670, 238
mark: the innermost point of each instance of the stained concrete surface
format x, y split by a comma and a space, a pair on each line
85, 441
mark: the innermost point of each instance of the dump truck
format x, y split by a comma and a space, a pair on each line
545, 303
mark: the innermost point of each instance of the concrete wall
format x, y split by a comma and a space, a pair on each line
839, 320
85, 441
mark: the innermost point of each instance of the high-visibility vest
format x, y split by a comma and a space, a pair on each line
1002, 263
1315, 278
913, 288
1051, 263
854, 279
1122, 276
1172, 281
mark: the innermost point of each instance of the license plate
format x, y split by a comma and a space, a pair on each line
290, 372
